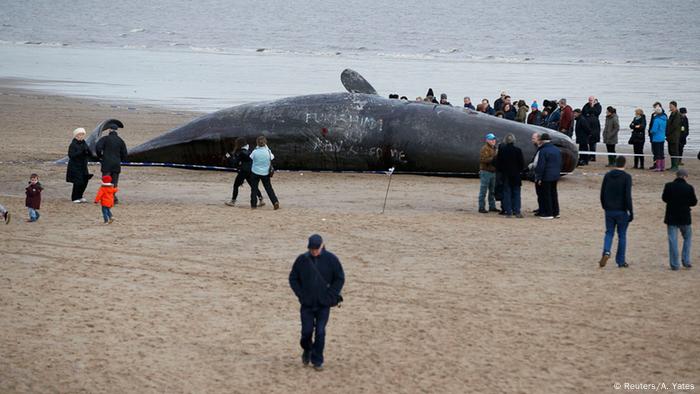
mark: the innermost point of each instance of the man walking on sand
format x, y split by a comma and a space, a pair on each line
679, 196
616, 199
316, 278
111, 150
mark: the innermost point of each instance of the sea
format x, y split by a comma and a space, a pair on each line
211, 54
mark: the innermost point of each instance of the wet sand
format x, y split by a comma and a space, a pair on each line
184, 294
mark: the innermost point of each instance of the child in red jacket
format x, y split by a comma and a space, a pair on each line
33, 201
105, 196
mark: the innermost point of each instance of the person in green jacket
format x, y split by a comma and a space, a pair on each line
673, 134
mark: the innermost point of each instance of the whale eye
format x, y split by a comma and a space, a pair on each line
324, 131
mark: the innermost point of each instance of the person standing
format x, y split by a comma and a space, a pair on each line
33, 200
583, 135
566, 121
487, 174
111, 151
657, 136
673, 134
638, 126
616, 200
612, 128
77, 170
535, 117
498, 104
679, 196
591, 111
260, 171
521, 116
547, 173
241, 160
535, 139
510, 163
105, 197
317, 278
685, 131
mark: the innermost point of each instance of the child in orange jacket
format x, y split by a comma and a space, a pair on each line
105, 196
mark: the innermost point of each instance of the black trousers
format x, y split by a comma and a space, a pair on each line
583, 158
313, 321
538, 191
255, 191
550, 199
611, 149
657, 149
592, 148
115, 177
681, 145
638, 150
78, 190
238, 182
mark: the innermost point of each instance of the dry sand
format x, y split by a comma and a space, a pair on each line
184, 294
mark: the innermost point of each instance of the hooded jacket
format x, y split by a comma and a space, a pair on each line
510, 163
111, 150
679, 196
317, 281
78, 156
612, 128
33, 193
616, 192
657, 127
521, 116
242, 161
105, 195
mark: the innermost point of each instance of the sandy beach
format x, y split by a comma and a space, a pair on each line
184, 294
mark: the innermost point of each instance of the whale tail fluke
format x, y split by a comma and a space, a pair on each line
355, 83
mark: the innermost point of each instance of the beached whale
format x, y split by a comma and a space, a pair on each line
353, 131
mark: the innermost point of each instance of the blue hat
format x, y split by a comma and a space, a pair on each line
534, 105
490, 136
315, 242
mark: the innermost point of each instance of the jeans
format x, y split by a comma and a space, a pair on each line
619, 219
511, 198
687, 234
106, 213
78, 190
33, 214
657, 148
254, 191
487, 183
240, 178
550, 199
314, 319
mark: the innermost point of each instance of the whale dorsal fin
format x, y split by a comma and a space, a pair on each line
355, 83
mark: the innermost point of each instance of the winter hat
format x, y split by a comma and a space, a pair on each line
534, 105
315, 242
682, 173
106, 180
77, 131
430, 92
443, 96
490, 136
683, 110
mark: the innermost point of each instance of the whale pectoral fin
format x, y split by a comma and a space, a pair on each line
355, 83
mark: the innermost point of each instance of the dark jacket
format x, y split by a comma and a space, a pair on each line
498, 104
510, 114
616, 192
552, 121
535, 118
78, 156
592, 115
241, 160
33, 195
673, 127
638, 126
469, 106
510, 163
548, 163
685, 129
679, 196
583, 130
318, 286
111, 150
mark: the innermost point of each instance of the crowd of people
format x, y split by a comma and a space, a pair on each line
583, 125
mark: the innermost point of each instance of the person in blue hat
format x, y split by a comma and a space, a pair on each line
487, 174
317, 279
